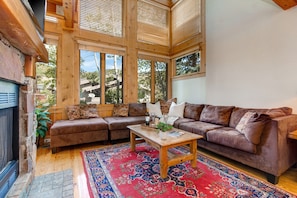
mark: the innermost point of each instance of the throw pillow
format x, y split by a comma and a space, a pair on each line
244, 120
73, 112
88, 111
165, 105
154, 109
254, 128
176, 110
120, 110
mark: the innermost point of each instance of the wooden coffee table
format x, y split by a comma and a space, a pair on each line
151, 136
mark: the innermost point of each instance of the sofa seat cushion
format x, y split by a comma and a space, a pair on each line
62, 127
232, 138
182, 120
197, 127
117, 123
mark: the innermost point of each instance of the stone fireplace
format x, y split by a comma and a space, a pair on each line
12, 63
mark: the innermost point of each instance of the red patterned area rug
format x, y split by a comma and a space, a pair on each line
116, 171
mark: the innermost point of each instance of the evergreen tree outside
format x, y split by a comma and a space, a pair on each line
46, 78
188, 64
91, 75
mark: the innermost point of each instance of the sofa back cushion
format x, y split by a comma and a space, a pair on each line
216, 114
278, 112
193, 111
137, 109
120, 110
239, 112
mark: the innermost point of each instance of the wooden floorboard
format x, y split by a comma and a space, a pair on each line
69, 158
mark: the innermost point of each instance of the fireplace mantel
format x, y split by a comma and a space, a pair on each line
18, 28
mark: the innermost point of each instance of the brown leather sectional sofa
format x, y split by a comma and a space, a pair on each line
263, 144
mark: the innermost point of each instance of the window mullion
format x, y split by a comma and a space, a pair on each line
153, 81
102, 77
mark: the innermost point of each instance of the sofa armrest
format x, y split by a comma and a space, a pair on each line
278, 152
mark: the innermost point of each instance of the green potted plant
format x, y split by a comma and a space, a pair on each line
42, 119
163, 127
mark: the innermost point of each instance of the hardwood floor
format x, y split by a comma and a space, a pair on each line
69, 158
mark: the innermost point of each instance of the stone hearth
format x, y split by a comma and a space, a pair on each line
12, 63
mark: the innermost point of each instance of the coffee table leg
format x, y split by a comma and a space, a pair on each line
163, 162
193, 150
132, 140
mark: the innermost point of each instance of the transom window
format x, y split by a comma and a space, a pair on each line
188, 64
102, 16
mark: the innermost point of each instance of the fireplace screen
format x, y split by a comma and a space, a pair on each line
9, 135
6, 136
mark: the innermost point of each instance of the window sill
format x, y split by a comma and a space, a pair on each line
189, 76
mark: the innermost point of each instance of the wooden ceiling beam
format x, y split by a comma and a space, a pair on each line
286, 4
69, 6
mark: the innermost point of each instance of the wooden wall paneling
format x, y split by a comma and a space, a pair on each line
76, 72
67, 96
188, 44
156, 49
105, 110
130, 68
171, 71
95, 37
58, 113
203, 40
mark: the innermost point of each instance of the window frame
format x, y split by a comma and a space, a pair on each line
198, 74
103, 50
153, 59
52, 40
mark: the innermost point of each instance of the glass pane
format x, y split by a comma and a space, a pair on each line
46, 78
113, 79
161, 80
89, 77
188, 64
144, 80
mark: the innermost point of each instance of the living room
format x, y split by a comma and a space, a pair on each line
249, 62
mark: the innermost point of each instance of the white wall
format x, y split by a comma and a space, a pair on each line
251, 56
190, 90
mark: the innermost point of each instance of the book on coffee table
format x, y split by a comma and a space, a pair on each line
175, 133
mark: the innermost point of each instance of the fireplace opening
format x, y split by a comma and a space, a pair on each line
9, 135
